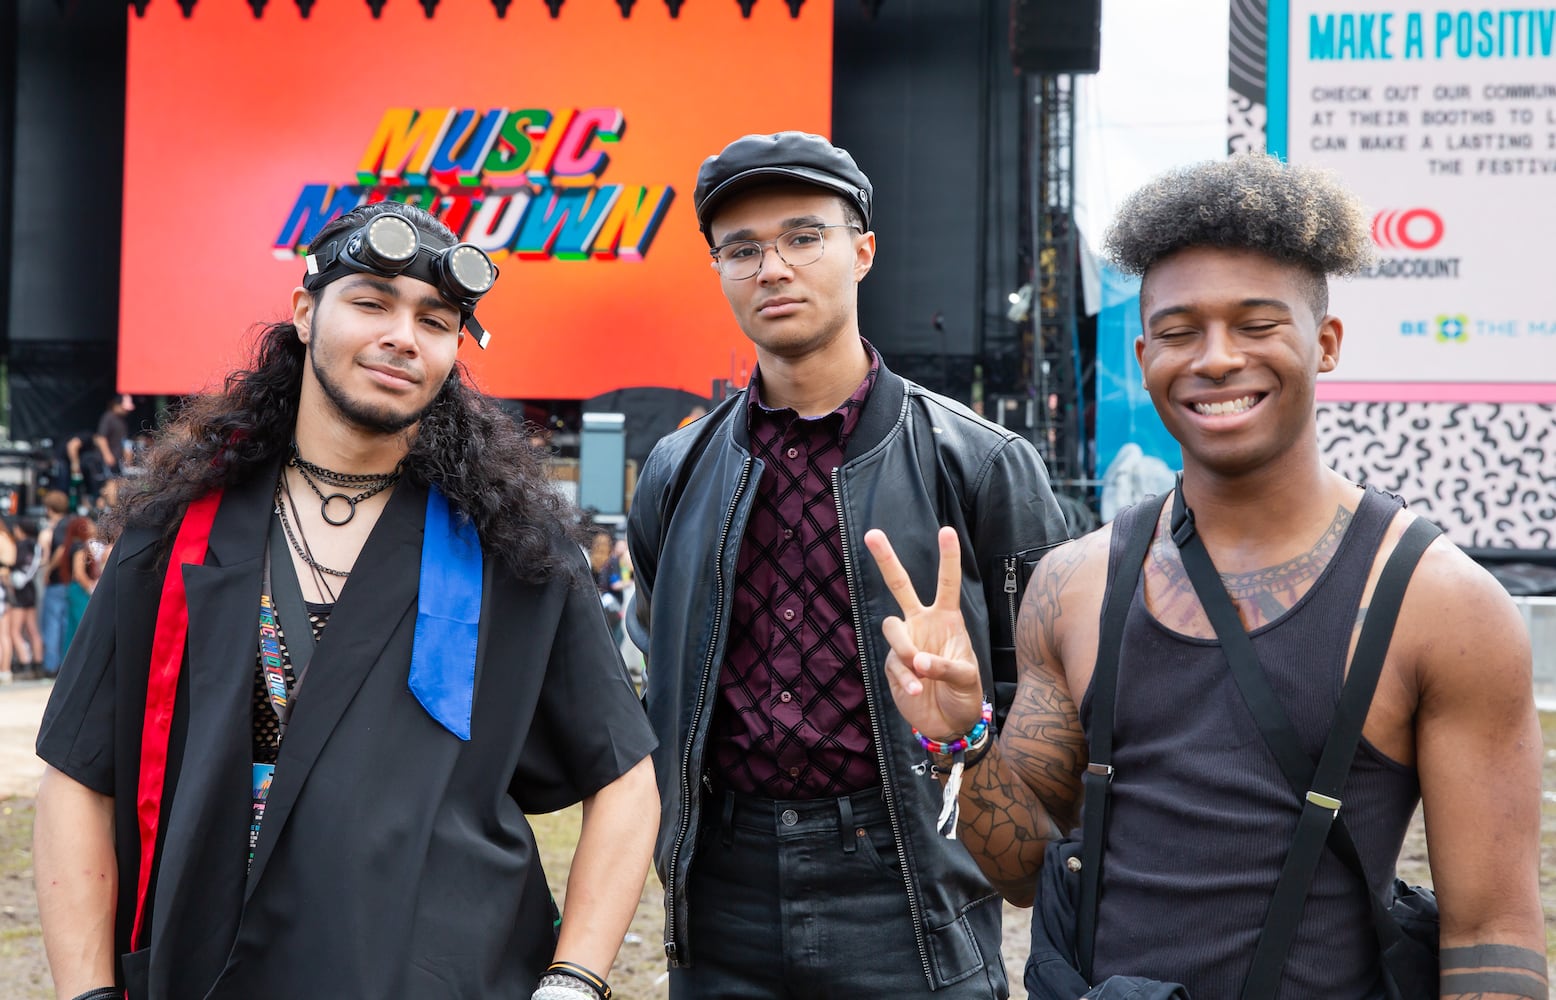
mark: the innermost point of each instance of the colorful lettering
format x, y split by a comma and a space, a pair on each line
633, 222
505, 164
565, 224
404, 143
496, 223
316, 205
539, 168
465, 147
575, 165
523, 183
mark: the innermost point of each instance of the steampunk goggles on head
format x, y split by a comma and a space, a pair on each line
389, 246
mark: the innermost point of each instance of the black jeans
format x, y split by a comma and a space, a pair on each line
804, 900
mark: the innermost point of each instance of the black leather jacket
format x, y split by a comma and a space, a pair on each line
914, 462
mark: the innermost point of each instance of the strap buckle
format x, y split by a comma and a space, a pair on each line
1324, 801
1105, 770
1181, 523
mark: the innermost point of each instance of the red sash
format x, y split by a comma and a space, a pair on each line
167, 660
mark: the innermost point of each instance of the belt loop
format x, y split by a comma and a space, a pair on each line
727, 822
845, 824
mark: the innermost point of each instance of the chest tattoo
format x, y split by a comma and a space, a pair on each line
1261, 595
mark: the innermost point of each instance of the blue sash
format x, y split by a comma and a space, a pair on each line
448, 616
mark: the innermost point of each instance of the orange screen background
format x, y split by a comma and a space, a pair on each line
228, 117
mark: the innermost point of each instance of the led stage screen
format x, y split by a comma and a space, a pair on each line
567, 147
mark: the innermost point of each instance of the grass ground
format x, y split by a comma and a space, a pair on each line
639, 971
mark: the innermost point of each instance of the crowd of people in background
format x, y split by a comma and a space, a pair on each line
48, 569
611, 566
49, 563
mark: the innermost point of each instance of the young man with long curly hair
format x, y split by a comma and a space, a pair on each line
344, 644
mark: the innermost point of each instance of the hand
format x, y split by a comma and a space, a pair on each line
931, 667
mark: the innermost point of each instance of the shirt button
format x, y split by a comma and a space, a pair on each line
788, 614
793, 453
789, 816
785, 697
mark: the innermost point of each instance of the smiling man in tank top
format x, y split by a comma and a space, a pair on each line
1234, 259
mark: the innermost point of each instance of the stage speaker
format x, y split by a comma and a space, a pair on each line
1056, 36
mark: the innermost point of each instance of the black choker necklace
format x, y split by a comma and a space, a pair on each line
372, 484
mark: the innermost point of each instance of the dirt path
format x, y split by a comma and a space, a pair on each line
639, 972
21, 708
24, 973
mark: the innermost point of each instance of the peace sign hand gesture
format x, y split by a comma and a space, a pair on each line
931, 668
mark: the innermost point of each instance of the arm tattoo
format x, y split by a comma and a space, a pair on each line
1261, 596
1024, 795
1492, 972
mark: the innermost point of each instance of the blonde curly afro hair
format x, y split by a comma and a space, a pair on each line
1251, 201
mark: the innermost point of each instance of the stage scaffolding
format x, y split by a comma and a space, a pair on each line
1050, 253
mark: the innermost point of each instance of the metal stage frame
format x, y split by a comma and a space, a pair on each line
1049, 404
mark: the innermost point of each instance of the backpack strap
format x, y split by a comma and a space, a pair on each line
1104, 688
1321, 804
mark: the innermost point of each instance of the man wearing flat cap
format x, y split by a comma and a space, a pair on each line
801, 846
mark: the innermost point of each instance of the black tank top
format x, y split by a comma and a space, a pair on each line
1200, 817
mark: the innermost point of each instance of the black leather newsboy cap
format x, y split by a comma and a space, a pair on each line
753, 160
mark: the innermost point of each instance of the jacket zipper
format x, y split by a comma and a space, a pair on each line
1010, 593
881, 747
671, 950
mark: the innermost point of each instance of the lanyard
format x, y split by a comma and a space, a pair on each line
282, 594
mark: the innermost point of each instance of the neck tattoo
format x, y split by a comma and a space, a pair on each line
371, 484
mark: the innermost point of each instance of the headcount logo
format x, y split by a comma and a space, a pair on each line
1411, 229
519, 182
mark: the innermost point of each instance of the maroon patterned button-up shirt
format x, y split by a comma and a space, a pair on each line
791, 720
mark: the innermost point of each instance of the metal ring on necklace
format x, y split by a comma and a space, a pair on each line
324, 509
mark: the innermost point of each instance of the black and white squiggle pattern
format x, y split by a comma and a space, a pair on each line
1246, 65
1486, 472
1245, 124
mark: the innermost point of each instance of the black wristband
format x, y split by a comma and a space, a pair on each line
592, 980
976, 753
101, 993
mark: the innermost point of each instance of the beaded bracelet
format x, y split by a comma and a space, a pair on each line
575, 971
961, 743
976, 751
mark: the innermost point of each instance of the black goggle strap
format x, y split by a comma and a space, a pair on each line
481, 334
332, 263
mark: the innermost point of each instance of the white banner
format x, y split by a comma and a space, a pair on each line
1444, 121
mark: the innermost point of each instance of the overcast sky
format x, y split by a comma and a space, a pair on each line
1159, 101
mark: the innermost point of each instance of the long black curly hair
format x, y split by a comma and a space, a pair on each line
477, 455
1300, 215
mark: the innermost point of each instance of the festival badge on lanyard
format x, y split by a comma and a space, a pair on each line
262, 775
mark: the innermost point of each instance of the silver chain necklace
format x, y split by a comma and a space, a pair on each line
301, 547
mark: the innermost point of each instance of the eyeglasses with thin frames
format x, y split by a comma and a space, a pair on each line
742, 259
